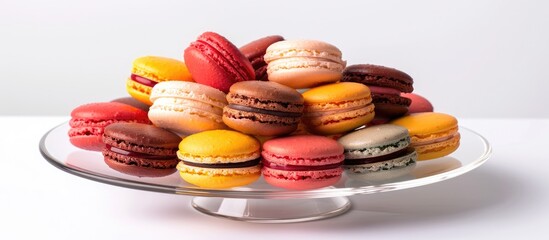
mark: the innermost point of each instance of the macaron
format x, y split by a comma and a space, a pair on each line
88, 122
187, 107
302, 162
254, 52
215, 61
263, 108
303, 63
149, 70
132, 102
140, 149
337, 108
433, 134
386, 84
419, 103
219, 159
379, 152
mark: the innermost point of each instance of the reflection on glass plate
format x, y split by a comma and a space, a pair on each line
56, 148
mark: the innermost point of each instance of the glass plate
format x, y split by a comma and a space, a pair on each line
474, 150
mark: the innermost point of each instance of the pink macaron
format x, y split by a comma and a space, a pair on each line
419, 103
88, 122
302, 162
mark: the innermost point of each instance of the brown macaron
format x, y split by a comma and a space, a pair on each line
386, 85
132, 102
141, 150
255, 51
263, 108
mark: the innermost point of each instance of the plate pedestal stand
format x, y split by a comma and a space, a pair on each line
272, 210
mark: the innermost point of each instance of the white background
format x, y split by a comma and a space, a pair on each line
470, 58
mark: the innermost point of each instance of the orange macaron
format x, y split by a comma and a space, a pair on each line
337, 108
433, 134
149, 70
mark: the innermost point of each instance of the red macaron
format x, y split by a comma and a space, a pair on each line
214, 61
88, 122
419, 103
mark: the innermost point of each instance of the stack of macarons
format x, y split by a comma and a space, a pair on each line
275, 107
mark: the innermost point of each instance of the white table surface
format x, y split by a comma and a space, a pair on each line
506, 198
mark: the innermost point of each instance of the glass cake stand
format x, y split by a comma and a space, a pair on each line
260, 202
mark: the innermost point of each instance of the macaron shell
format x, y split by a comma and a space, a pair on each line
139, 91
143, 138
304, 77
304, 72
303, 147
90, 143
379, 175
266, 91
419, 103
108, 111
161, 69
301, 180
427, 123
387, 138
336, 92
219, 146
303, 48
186, 121
376, 75
132, 102
138, 171
259, 124
219, 178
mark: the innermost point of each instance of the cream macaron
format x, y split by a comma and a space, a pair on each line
303, 63
187, 107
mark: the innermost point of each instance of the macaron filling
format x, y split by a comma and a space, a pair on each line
406, 161
250, 163
397, 154
138, 154
278, 166
263, 111
371, 151
142, 80
436, 140
317, 113
288, 106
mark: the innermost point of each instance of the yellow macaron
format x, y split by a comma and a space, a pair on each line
219, 159
337, 108
433, 135
149, 70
